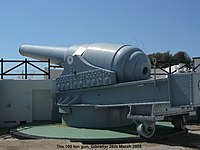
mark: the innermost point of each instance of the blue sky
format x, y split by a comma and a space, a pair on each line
152, 25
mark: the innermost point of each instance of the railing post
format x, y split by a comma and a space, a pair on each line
49, 69
26, 68
192, 65
170, 67
1, 68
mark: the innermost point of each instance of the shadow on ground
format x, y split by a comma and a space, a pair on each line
189, 140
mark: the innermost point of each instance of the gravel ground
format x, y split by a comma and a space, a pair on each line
187, 141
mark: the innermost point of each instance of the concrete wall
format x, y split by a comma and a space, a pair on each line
157, 72
54, 73
23, 101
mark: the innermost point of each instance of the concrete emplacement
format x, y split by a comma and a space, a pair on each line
53, 130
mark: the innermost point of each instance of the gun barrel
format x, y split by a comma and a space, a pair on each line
55, 54
129, 63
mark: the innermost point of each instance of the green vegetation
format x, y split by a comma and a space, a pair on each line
166, 59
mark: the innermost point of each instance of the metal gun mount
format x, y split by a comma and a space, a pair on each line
108, 85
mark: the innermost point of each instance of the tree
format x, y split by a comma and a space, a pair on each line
165, 59
181, 57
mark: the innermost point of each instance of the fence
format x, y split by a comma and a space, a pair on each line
25, 63
188, 65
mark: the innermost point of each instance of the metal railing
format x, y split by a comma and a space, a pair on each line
25, 63
26, 72
156, 65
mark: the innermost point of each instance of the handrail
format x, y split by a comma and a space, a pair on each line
26, 63
165, 72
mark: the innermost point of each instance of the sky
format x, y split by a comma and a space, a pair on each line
152, 25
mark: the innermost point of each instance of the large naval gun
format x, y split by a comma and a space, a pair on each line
108, 85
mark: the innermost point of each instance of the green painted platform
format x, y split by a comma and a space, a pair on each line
58, 131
